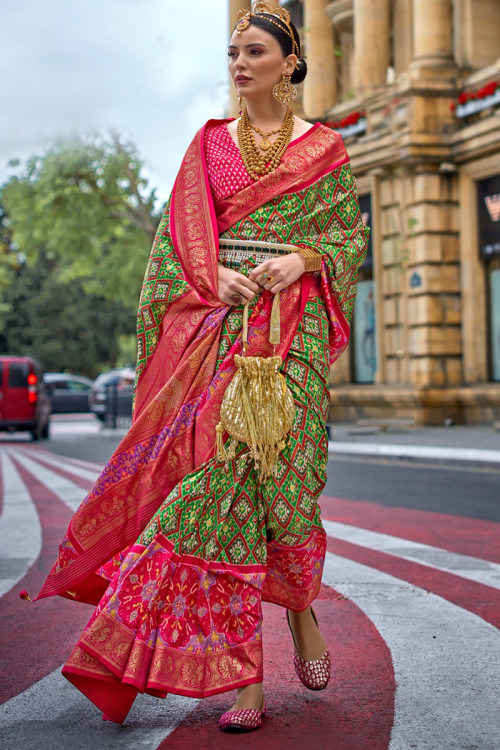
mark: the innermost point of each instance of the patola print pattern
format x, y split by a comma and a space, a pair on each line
175, 548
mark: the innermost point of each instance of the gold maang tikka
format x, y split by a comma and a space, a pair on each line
259, 8
284, 91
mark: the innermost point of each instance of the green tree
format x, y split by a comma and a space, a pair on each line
59, 324
76, 226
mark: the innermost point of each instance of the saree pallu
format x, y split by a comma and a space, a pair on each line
176, 549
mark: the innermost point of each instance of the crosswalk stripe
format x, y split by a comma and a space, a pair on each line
59, 462
33, 718
447, 681
68, 492
20, 530
92, 465
472, 568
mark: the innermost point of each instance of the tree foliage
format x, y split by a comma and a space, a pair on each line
59, 324
76, 225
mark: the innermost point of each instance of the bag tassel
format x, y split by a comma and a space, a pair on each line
258, 407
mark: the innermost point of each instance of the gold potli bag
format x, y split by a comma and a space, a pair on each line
257, 408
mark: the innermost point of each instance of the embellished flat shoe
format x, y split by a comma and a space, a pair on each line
313, 673
243, 720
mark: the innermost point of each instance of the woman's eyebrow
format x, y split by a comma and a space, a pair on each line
253, 44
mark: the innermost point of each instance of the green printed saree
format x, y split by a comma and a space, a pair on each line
176, 548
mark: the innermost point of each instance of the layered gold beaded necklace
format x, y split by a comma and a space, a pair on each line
257, 163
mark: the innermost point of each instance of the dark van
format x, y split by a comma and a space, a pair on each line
24, 401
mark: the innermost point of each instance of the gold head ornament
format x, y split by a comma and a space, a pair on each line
261, 8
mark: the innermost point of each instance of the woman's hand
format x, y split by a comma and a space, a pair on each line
234, 287
278, 273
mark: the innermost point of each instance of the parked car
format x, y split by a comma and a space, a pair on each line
69, 394
24, 401
123, 379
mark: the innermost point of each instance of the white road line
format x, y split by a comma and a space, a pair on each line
93, 465
62, 463
415, 451
70, 494
445, 660
54, 714
472, 568
20, 530
59, 429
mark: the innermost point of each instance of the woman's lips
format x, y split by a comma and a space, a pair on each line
242, 79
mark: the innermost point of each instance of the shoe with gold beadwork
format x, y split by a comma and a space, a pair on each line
313, 673
243, 720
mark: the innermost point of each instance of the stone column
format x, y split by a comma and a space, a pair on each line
402, 35
321, 81
432, 33
234, 7
372, 34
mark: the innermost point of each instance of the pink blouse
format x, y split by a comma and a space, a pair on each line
226, 171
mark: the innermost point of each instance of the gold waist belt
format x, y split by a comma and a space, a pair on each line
238, 251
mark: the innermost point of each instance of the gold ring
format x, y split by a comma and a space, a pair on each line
270, 279
236, 299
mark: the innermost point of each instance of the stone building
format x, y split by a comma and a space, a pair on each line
414, 88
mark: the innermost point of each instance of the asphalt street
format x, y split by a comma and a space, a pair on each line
410, 608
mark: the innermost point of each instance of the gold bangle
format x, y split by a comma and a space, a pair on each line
312, 259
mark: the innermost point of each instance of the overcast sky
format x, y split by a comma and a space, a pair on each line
154, 69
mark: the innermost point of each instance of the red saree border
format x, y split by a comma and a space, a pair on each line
113, 680
196, 239
199, 562
316, 177
281, 560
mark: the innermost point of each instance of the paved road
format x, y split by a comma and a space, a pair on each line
410, 607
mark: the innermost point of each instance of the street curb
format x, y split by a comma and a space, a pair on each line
415, 451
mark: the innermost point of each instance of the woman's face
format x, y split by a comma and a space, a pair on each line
256, 62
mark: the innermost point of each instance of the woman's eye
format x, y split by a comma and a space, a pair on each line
256, 52
231, 54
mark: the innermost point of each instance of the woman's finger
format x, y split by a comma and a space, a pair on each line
258, 270
245, 293
249, 284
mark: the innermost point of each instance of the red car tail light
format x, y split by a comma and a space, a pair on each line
32, 389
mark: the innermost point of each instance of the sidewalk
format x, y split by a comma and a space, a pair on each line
457, 443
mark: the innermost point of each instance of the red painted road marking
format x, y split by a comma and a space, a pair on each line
466, 536
65, 472
355, 712
91, 465
482, 600
36, 638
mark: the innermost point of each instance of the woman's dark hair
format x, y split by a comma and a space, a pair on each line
284, 41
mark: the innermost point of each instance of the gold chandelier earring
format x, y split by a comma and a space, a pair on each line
284, 91
240, 105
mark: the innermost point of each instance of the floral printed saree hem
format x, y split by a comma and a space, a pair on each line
116, 658
170, 622
294, 574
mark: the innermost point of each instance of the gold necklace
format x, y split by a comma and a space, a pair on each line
256, 163
265, 143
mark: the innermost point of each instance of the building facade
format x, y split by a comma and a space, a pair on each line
414, 88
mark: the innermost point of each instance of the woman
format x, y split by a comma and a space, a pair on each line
176, 544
